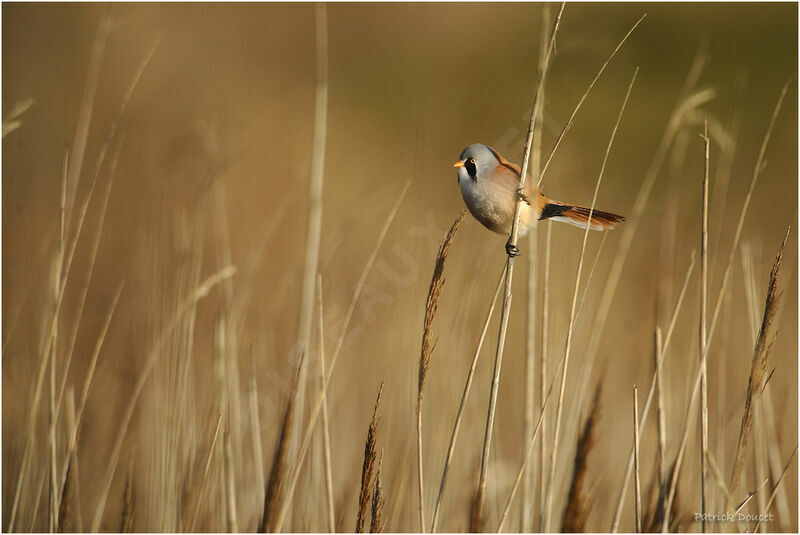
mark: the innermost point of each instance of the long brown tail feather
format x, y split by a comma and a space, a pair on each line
579, 216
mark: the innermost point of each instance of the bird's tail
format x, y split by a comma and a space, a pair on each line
579, 216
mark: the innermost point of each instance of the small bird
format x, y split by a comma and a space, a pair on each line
490, 187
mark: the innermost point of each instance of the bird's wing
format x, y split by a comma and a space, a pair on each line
508, 174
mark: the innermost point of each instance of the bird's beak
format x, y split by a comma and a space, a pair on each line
458, 164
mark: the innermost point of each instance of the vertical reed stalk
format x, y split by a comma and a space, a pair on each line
315, 196
526, 517
637, 484
326, 434
543, 380
506, 310
255, 423
230, 486
703, 366
661, 420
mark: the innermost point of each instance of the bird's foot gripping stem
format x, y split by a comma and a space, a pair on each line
511, 250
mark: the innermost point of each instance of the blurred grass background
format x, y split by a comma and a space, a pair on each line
214, 154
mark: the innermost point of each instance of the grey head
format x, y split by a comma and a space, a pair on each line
477, 161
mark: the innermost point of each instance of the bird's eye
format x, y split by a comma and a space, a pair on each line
471, 168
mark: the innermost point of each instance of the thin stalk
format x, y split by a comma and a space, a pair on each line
59, 265
230, 486
512, 241
326, 434
703, 299
636, 479
661, 419
420, 476
202, 486
571, 325
543, 379
255, 425
467, 386
530, 336
775, 488
315, 196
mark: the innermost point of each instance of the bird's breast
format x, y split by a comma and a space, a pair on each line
492, 204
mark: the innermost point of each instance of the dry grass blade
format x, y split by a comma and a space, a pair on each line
230, 486
204, 479
86, 108
758, 367
370, 454
526, 517
11, 121
702, 337
467, 386
326, 434
315, 194
776, 487
378, 500
571, 324
576, 511
661, 420
277, 474
749, 497
636, 479
431, 305
543, 376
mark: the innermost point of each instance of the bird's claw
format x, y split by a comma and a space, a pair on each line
520, 195
511, 250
